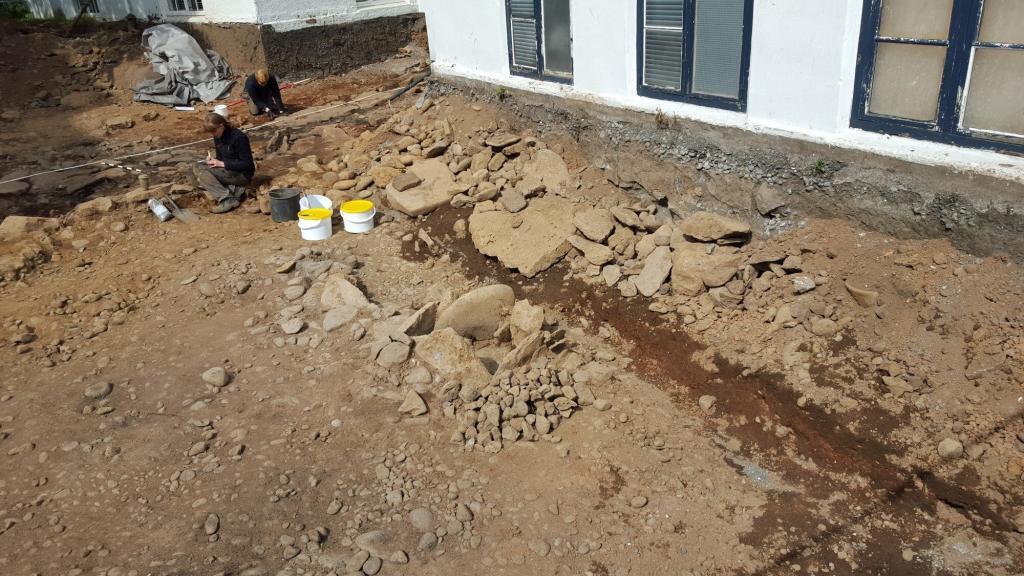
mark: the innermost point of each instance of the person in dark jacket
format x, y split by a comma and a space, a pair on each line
263, 94
225, 177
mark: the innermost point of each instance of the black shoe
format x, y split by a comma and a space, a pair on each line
225, 205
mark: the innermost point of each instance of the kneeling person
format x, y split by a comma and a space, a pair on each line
263, 94
225, 177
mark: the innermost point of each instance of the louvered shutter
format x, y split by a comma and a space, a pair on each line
663, 44
524, 34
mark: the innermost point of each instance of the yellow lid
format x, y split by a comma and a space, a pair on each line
357, 206
315, 214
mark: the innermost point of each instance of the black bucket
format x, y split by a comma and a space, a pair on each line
284, 204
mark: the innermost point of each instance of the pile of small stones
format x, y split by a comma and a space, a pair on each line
525, 404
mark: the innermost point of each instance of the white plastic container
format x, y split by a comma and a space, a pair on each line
221, 110
358, 216
157, 208
315, 229
315, 201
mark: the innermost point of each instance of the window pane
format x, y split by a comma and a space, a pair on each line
665, 13
1002, 21
994, 99
521, 8
524, 43
718, 47
557, 37
663, 59
906, 81
922, 19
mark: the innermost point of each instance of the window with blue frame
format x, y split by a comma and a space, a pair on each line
540, 39
944, 70
694, 51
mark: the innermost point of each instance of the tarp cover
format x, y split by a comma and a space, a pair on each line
188, 73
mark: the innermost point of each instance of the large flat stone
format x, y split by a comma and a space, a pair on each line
540, 239
436, 188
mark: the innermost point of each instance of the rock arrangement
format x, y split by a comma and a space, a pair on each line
526, 404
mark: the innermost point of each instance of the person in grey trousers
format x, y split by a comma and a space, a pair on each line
225, 177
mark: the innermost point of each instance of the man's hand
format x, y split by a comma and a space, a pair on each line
214, 163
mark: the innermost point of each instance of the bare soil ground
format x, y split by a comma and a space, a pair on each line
763, 426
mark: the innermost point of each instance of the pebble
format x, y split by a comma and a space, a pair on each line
707, 403
427, 541
99, 390
638, 502
212, 524
292, 326
951, 449
463, 513
422, 519
602, 405
216, 376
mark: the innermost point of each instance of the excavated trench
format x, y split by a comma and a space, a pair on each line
663, 354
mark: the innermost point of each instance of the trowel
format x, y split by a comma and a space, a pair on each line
181, 214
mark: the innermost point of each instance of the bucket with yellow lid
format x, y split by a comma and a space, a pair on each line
315, 223
358, 216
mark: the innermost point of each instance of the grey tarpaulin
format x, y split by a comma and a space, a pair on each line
188, 73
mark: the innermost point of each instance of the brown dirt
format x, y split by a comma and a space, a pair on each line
805, 466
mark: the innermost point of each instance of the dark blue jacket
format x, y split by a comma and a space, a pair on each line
264, 97
234, 151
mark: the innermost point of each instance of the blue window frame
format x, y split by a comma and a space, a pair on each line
540, 39
950, 71
695, 51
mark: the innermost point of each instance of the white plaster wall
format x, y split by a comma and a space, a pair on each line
803, 59
242, 11
286, 15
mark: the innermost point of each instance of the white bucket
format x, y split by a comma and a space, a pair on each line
315, 230
221, 110
359, 223
315, 201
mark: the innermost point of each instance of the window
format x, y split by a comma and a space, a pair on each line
540, 39
694, 51
185, 5
944, 70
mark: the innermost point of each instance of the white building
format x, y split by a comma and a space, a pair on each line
282, 15
934, 81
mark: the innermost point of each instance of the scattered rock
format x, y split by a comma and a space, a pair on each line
98, 390
292, 326
405, 181
710, 227
597, 254
478, 313
950, 449
596, 224
216, 376
421, 519
338, 317
513, 200
212, 524
768, 199
413, 404
452, 356
866, 298
707, 403
657, 267
421, 322
338, 292
526, 319
393, 354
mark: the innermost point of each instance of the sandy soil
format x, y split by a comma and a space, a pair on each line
792, 433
